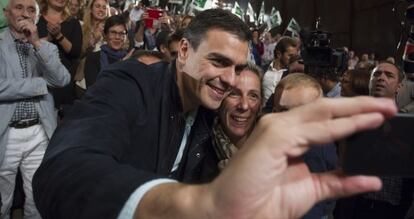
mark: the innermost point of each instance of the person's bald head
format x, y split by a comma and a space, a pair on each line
295, 90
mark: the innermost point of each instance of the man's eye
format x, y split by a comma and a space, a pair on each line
233, 94
219, 63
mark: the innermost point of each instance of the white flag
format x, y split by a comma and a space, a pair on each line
237, 10
250, 12
261, 18
293, 27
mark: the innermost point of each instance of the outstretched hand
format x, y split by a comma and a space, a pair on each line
266, 179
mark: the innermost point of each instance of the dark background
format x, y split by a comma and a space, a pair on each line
366, 26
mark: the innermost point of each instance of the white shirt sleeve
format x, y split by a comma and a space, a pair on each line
131, 204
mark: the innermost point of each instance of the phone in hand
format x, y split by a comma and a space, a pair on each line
385, 151
153, 15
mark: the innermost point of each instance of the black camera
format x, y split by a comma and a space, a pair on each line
319, 58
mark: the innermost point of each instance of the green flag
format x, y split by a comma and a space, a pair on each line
201, 5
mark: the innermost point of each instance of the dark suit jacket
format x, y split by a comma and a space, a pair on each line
125, 132
93, 67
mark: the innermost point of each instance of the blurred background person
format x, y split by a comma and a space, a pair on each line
185, 21
57, 26
268, 50
352, 59
405, 96
295, 90
93, 21
285, 49
258, 45
355, 83
76, 9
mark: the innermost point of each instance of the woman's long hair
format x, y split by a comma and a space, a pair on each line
44, 5
89, 22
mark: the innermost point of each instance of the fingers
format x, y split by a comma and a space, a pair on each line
336, 129
335, 184
53, 29
26, 25
341, 107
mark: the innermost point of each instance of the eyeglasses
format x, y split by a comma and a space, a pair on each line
115, 33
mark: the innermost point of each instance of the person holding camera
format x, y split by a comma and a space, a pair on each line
133, 147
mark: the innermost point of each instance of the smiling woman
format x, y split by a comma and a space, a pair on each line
112, 51
94, 17
238, 114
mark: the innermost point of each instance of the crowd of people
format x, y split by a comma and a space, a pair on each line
179, 116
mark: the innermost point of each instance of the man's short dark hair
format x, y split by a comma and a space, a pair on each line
176, 36
283, 44
215, 19
162, 38
157, 54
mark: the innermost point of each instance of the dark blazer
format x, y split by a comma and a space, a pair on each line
125, 132
93, 67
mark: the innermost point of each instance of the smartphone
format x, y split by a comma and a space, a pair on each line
385, 151
153, 15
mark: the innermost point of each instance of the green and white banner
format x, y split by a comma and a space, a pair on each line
237, 10
274, 20
250, 13
293, 27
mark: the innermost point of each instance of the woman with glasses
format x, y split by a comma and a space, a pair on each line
114, 50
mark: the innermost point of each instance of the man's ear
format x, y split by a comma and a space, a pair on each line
184, 47
5, 12
400, 85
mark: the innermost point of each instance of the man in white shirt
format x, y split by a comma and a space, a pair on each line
285, 49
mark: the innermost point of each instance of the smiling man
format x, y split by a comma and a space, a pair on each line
140, 122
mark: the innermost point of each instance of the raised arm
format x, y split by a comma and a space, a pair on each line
266, 179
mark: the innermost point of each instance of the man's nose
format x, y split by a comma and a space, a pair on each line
25, 14
229, 76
